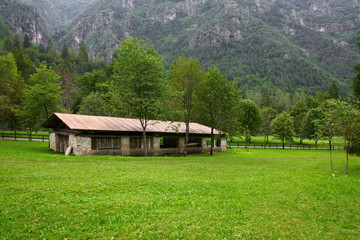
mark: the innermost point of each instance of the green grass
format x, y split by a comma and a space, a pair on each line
260, 194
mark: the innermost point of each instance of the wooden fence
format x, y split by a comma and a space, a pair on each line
23, 136
279, 145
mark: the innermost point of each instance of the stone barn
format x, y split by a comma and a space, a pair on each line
96, 135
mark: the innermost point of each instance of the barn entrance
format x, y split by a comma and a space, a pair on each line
62, 143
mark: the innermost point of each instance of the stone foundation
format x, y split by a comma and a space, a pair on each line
82, 146
52, 141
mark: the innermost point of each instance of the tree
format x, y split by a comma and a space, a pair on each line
25, 66
65, 53
249, 118
138, 78
8, 74
321, 97
83, 58
26, 42
266, 98
11, 90
94, 104
217, 101
283, 127
89, 83
83, 55
356, 82
185, 76
42, 97
333, 90
311, 124
346, 120
356, 79
298, 112
328, 127
268, 114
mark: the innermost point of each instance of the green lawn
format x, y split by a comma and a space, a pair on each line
260, 194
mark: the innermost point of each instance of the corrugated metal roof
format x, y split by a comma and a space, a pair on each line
113, 124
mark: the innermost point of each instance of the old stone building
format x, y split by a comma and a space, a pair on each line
95, 135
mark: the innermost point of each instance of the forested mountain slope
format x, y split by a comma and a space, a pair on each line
23, 19
294, 44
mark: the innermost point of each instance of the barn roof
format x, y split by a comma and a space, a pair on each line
114, 124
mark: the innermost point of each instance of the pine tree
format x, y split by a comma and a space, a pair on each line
26, 42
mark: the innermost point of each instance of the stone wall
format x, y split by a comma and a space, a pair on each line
82, 146
223, 144
52, 142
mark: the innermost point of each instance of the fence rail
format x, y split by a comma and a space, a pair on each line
23, 136
279, 145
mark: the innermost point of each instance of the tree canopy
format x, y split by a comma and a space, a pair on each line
283, 127
217, 102
42, 97
138, 78
185, 77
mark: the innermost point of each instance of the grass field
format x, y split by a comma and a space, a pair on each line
260, 194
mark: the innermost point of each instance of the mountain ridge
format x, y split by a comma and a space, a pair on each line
280, 43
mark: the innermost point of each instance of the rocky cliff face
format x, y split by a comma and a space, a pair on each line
23, 19
57, 13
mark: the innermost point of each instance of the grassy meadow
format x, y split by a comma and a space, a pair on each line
259, 194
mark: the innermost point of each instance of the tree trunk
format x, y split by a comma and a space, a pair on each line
267, 138
316, 144
186, 137
283, 142
212, 142
331, 162
347, 159
300, 140
145, 143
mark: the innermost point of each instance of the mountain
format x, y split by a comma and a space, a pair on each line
58, 13
286, 44
23, 19
293, 44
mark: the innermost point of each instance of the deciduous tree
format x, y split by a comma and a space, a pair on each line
249, 118
283, 127
185, 76
268, 114
345, 119
42, 97
356, 79
217, 102
298, 112
138, 78
95, 104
